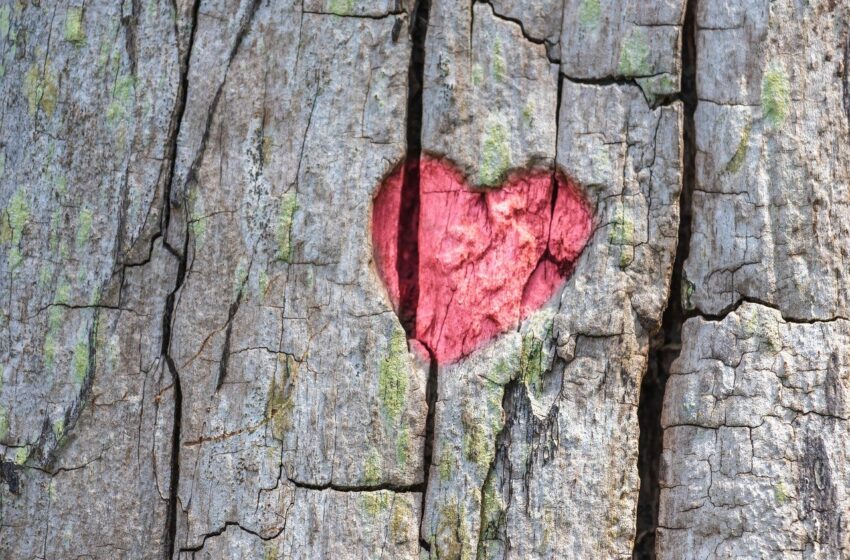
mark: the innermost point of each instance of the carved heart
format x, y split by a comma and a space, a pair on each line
463, 266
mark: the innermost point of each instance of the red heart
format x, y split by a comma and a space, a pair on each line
463, 266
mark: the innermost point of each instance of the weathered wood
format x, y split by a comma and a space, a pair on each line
755, 442
202, 358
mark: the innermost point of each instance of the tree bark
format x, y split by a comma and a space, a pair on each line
205, 356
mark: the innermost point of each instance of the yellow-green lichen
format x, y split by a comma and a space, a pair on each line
122, 96
402, 445
765, 328
280, 402
372, 471
59, 428
74, 28
61, 184
4, 22
504, 370
270, 552
447, 465
495, 154
80, 362
622, 230
528, 114
477, 74
478, 447
589, 13
780, 492
21, 455
288, 206
634, 54
45, 273
197, 220
41, 89
375, 503
493, 509
62, 293
740, 155
12, 227
84, 228
494, 393
240, 275
341, 7
453, 539
531, 362
400, 520
103, 55
498, 66
263, 283
4, 423
267, 149
656, 87
393, 376
775, 96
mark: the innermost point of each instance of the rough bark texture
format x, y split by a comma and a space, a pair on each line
202, 360
755, 461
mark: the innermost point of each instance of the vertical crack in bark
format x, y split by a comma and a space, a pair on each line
846, 79
408, 226
180, 108
667, 342
225, 348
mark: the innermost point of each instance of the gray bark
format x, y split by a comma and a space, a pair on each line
199, 357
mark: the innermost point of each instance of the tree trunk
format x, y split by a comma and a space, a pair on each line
425, 279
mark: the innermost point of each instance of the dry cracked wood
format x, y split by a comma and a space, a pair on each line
755, 460
200, 359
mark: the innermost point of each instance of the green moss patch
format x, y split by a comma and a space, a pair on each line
341, 7
74, 27
775, 96
393, 376
740, 155
498, 66
589, 13
495, 154
288, 206
634, 54
372, 470
41, 89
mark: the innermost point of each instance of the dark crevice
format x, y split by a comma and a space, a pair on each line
397, 488
846, 78
392, 13
431, 395
168, 313
550, 47
221, 531
732, 308
654, 102
666, 343
407, 264
176, 196
225, 348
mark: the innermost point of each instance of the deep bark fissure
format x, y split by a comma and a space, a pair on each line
168, 313
225, 348
395, 488
407, 265
665, 344
846, 79
551, 53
